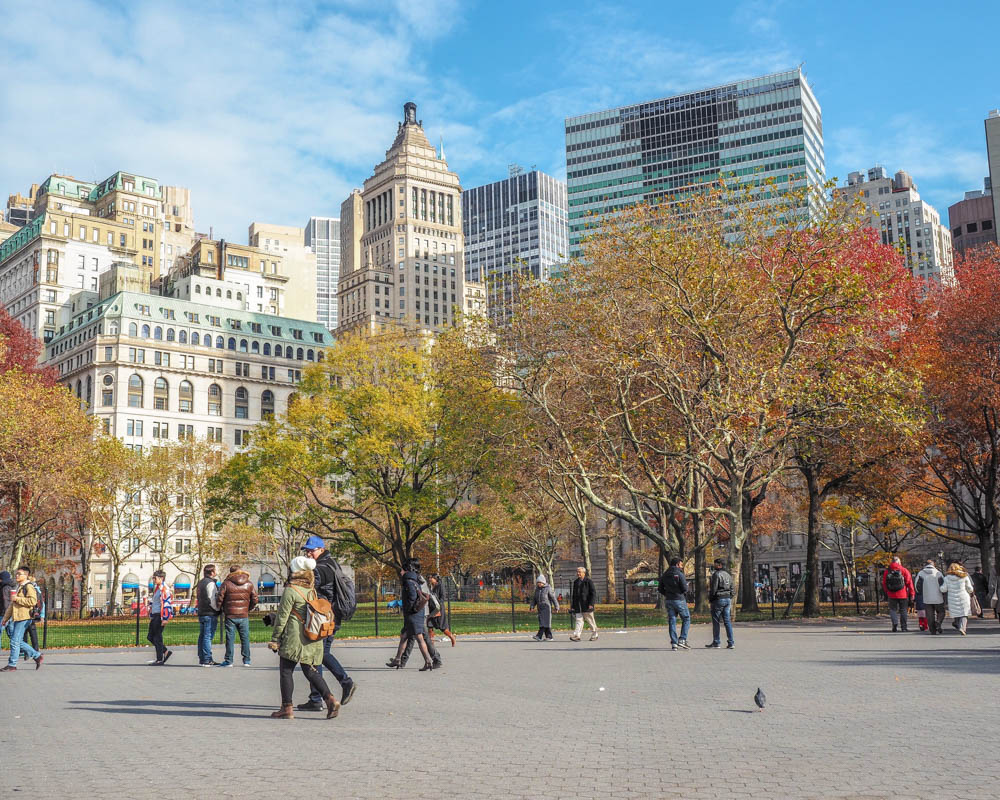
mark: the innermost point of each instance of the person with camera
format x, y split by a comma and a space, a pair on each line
289, 640
326, 587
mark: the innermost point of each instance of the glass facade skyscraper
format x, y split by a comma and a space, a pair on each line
514, 226
762, 128
323, 236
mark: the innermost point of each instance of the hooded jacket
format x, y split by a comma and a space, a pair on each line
237, 597
958, 588
411, 593
929, 581
907, 590
672, 584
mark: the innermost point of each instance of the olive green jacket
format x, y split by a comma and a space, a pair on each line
289, 629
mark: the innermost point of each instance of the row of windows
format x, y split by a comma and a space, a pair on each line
185, 397
221, 343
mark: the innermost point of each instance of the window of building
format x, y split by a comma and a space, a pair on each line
215, 400
161, 394
242, 397
185, 432
135, 392
267, 404
241, 438
185, 397
133, 427
214, 434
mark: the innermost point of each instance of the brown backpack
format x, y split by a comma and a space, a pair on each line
319, 622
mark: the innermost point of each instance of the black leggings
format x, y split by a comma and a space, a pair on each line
286, 668
32, 634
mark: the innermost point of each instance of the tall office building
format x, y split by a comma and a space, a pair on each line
903, 220
20, 209
971, 220
514, 227
402, 242
763, 128
993, 157
323, 236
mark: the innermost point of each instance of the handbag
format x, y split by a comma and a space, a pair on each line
974, 608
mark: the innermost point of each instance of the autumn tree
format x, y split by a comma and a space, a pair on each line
692, 335
385, 440
22, 350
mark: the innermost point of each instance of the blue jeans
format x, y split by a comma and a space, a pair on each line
720, 614
208, 623
678, 607
15, 630
242, 625
331, 663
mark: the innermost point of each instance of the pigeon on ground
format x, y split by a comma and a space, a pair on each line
760, 699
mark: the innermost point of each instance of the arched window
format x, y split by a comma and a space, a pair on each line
229, 294
161, 394
278, 351
292, 398
267, 404
319, 355
157, 332
185, 397
243, 345
182, 337
108, 391
218, 292
239, 295
79, 389
254, 346
242, 403
220, 343
195, 338
135, 392
197, 288
90, 390
170, 334
215, 400
267, 348
232, 343
298, 354
145, 331
310, 355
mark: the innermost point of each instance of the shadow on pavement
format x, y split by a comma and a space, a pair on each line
978, 661
183, 708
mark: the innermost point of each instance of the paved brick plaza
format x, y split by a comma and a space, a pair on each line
851, 712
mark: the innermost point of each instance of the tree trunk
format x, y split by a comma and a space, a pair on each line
84, 571
737, 535
986, 554
661, 568
581, 529
748, 598
113, 588
811, 607
609, 558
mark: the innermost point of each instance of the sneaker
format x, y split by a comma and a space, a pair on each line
537, 638
683, 644
730, 646
574, 638
716, 645
225, 664
309, 705
9, 668
962, 632
208, 664
167, 655
593, 638
894, 629
348, 693
673, 647
548, 639
246, 663
156, 663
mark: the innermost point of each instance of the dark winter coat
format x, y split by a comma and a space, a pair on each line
673, 585
544, 599
237, 597
7, 587
583, 596
411, 593
326, 577
716, 584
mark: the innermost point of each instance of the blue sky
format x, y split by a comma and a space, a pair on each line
274, 111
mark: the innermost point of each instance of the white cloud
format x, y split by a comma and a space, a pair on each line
272, 112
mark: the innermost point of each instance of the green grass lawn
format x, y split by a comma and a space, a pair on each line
466, 618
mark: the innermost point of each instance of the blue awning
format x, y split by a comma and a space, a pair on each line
130, 585
182, 585
267, 584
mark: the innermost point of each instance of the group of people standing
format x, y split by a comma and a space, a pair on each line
934, 593
583, 597
673, 586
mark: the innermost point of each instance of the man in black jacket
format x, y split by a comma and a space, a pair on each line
206, 597
326, 587
674, 587
582, 600
720, 594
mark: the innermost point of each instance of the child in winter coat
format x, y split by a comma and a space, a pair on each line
921, 611
544, 599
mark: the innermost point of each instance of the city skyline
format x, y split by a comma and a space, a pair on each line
298, 110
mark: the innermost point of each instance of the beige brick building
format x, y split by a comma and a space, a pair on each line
298, 264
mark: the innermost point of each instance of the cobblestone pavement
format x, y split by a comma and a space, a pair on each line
854, 711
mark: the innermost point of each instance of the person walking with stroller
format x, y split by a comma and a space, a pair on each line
543, 599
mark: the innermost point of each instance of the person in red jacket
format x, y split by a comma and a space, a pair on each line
897, 583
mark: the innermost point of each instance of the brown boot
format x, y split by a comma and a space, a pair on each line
332, 706
285, 712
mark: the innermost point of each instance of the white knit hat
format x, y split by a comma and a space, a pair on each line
301, 563
541, 580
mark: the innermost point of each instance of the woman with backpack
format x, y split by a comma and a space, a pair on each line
414, 616
289, 640
959, 589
